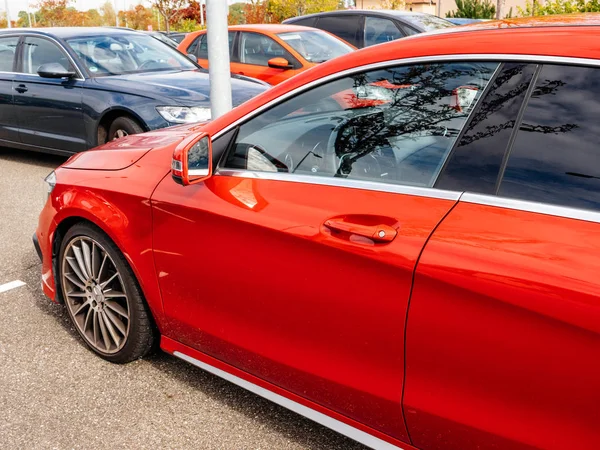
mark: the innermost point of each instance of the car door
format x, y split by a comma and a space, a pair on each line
49, 111
504, 321
9, 132
255, 51
294, 262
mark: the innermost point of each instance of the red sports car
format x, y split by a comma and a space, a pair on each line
402, 244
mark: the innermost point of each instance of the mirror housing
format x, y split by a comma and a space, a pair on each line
55, 70
279, 63
192, 57
192, 160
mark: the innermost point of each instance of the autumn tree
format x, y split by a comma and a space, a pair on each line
473, 9
138, 17
169, 9
256, 11
392, 4
236, 14
279, 10
53, 13
109, 16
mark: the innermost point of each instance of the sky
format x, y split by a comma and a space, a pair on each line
15, 6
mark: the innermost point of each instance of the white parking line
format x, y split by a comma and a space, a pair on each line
11, 285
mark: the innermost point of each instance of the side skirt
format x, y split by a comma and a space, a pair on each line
183, 352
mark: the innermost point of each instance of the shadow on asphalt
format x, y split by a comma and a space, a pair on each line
31, 157
294, 427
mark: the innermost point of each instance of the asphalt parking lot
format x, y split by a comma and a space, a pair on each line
54, 393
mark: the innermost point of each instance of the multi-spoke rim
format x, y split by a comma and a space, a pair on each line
119, 134
95, 295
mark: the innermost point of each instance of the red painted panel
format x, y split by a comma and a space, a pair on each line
250, 274
504, 332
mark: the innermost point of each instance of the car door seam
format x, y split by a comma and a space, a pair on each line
412, 284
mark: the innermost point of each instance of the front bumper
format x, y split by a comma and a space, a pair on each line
36, 244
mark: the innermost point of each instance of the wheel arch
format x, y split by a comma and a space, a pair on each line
110, 115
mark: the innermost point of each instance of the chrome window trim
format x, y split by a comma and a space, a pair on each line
316, 416
500, 57
81, 77
533, 207
343, 183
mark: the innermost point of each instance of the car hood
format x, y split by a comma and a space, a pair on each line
189, 87
122, 153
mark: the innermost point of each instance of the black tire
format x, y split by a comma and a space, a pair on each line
123, 126
142, 334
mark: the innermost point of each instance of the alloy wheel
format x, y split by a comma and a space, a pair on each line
95, 295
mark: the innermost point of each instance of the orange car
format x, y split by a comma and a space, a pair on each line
272, 53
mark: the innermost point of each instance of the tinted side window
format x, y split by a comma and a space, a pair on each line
556, 157
202, 43
379, 30
38, 51
203, 47
8, 47
308, 22
393, 125
345, 27
257, 49
193, 48
475, 163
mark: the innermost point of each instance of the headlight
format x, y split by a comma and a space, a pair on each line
183, 114
51, 182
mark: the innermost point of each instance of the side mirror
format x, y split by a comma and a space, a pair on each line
192, 160
192, 57
55, 70
279, 63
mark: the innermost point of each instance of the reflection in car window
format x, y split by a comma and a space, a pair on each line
555, 157
475, 163
127, 53
391, 125
316, 46
258, 49
38, 51
8, 47
379, 30
427, 22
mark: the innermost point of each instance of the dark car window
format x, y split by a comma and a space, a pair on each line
555, 157
203, 45
394, 125
475, 163
193, 48
379, 30
306, 22
258, 49
346, 27
8, 47
39, 51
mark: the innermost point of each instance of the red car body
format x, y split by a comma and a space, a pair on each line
475, 326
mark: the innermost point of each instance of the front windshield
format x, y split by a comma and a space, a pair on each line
127, 53
427, 21
316, 46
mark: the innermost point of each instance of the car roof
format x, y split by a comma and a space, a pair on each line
272, 28
70, 32
381, 12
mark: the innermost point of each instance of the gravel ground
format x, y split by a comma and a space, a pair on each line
55, 394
